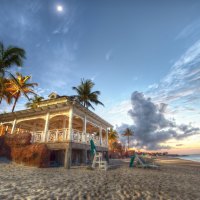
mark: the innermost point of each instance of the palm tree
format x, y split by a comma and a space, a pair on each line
10, 56
127, 133
117, 146
4, 94
84, 94
112, 134
112, 137
34, 102
19, 85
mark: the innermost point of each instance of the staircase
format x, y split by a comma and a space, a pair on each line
99, 162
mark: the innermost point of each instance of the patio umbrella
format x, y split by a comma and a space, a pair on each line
92, 147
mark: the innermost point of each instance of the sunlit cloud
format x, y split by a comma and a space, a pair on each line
151, 127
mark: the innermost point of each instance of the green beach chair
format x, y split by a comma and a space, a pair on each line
131, 164
144, 164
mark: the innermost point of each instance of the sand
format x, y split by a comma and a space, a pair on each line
176, 179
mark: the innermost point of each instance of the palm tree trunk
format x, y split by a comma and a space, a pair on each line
15, 102
128, 142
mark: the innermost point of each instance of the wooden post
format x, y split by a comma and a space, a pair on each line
85, 139
46, 128
84, 155
85, 128
56, 139
70, 136
107, 137
100, 136
6, 129
68, 151
13, 126
64, 128
2, 129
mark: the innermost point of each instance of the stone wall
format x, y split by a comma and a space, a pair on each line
19, 149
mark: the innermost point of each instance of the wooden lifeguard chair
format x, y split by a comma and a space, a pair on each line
99, 162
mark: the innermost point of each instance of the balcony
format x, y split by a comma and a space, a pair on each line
61, 135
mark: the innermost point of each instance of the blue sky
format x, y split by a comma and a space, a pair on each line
124, 46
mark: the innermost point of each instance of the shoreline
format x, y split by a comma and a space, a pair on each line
188, 157
185, 157
198, 161
176, 179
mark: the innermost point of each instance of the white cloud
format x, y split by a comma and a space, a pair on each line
115, 112
190, 30
153, 86
180, 84
182, 78
108, 55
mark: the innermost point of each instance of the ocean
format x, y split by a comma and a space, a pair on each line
193, 157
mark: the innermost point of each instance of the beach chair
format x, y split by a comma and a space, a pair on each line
144, 164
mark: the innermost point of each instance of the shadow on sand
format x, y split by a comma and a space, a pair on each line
4, 160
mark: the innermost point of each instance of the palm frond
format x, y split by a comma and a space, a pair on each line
85, 95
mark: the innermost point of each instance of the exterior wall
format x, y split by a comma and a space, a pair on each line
39, 122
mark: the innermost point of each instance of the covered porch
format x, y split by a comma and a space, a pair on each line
58, 128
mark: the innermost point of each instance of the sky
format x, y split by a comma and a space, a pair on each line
144, 53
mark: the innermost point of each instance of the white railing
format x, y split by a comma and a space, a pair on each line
96, 139
57, 135
77, 136
36, 136
104, 143
61, 135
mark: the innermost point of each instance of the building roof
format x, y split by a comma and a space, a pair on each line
53, 103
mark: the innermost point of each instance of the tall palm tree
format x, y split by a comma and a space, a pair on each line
4, 94
112, 137
34, 102
128, 133
19, 85
85, 95
10, 56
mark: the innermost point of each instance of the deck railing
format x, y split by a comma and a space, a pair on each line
61, 135
57, 135
36, 136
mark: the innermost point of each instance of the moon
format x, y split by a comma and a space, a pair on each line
59, 8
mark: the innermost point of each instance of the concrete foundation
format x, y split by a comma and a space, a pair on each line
70, 153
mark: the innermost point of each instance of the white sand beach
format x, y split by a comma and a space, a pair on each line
176, 179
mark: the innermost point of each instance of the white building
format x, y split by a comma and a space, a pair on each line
64, 125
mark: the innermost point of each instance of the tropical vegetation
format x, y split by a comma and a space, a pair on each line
85, 95
34, 102
18, 86
10, 56
112, 138
12, 87
128, 133
4, 94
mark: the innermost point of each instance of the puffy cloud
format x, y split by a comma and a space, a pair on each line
151, 127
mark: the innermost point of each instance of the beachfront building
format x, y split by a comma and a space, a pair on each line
64, 125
